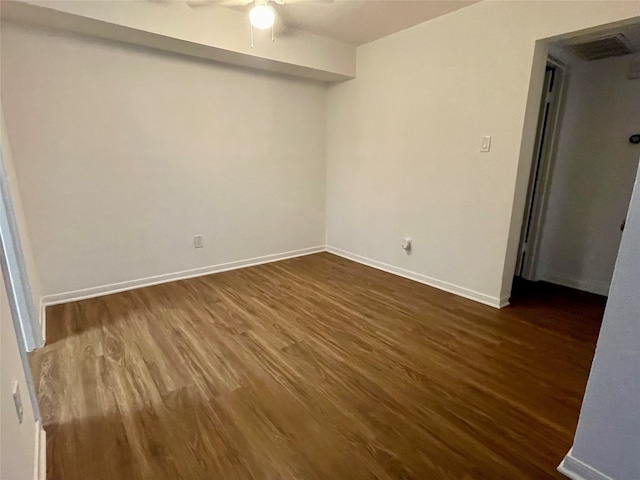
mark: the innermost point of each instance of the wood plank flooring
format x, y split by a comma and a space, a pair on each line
312, 368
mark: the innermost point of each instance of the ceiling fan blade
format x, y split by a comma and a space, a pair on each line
298, 2
240, 3
220, 3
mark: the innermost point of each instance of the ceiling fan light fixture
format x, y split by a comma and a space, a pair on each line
262, 17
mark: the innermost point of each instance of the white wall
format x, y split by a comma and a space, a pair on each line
592, 176
607, 440
124, 154
403, 140
17, 441
124, 129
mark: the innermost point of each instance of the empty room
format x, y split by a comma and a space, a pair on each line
320, 239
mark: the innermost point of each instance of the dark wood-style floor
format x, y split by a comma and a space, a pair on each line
312, 368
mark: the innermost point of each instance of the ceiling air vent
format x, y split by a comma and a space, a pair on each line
603, 47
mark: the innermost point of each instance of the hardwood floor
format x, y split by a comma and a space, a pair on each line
312, 368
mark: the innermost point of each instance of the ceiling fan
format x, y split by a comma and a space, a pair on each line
261, 16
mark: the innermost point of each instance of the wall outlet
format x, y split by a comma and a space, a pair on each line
485, 144
197, 241
407, 244
17, 401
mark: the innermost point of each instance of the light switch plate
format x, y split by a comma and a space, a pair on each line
485, 144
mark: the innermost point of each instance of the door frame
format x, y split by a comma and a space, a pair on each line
14, 269
23, 315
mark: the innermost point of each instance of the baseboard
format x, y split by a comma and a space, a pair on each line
578, 470
171, 277
40, 454
503, 302
599, 288
418, 277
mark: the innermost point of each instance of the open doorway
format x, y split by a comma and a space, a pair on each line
585, 161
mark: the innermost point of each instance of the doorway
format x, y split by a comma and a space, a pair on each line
584, 163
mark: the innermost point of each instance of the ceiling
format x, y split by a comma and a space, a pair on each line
362, 21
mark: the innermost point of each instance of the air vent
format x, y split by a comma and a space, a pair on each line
603, 47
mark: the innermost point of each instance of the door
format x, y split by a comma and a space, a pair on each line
540, 169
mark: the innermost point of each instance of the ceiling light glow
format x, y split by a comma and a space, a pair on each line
262, 17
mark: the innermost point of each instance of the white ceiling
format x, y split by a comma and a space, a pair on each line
361, 21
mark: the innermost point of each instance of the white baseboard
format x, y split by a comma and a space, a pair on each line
40, 454
418, 277
597, 287
171, 277
578, 470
